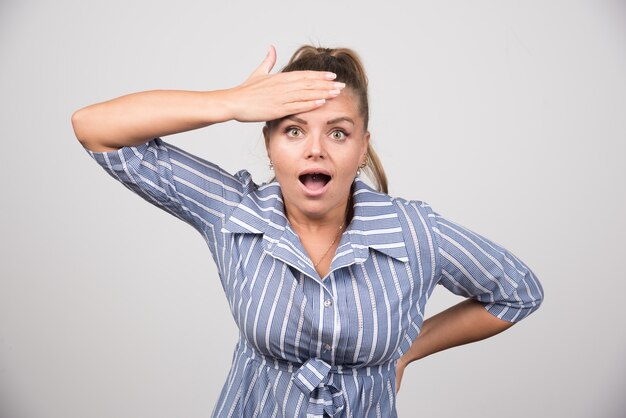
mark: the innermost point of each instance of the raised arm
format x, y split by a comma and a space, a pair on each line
136, 118
123, 137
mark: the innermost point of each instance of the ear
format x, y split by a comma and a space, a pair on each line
366, 142
266, 134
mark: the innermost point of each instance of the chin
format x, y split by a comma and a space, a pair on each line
315, 209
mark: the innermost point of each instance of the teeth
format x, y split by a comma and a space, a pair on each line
314, 176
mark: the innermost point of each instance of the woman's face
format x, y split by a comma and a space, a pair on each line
316, 155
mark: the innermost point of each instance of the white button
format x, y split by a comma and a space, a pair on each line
301, 263
327, 347
328, 302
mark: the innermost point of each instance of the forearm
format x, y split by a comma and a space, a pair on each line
460, 324
136, 118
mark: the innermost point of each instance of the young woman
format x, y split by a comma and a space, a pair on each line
327, 278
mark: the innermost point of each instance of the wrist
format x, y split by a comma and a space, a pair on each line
220, 106
402, 362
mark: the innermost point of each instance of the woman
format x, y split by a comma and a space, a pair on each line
327, 278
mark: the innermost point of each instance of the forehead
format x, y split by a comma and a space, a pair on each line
346, 104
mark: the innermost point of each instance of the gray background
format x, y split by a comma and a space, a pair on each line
506, 116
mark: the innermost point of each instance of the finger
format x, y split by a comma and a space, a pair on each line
301, 107
310, 95
267, 64
309, 75
272, 58
315, 84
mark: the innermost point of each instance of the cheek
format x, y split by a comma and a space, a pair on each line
282, 163
284, 169
356, 158
276, 154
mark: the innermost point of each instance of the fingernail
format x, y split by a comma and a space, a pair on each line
339, 85
320, 101
331, 76
334, 92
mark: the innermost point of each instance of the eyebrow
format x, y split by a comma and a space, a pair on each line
330, 122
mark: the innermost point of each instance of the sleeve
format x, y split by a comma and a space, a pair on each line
186, 186
474, 266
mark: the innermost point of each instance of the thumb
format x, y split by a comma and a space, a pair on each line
399, 374
267, 64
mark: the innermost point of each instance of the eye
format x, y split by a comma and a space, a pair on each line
339, 135
293, 132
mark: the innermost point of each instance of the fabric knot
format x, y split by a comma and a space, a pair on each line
314, 378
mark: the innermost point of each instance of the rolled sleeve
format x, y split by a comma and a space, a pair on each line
474, 266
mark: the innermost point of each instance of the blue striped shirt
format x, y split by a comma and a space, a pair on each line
312, 347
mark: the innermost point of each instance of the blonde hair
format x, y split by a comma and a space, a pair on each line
348, 66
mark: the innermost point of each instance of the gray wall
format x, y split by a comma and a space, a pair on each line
506, 116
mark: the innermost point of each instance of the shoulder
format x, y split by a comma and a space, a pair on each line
411, 214
417, 221
415, 212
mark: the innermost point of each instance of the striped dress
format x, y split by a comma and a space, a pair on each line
313, 347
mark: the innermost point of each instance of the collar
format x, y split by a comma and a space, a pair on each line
375, 225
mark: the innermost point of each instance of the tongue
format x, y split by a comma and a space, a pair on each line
313, 182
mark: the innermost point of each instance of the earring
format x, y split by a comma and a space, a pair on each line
358, 171
271, 166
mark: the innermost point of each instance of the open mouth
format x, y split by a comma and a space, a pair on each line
314, 181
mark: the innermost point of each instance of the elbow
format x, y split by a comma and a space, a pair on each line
78, 124
531, 293
522, 302
86, 132
536, 289
539, 301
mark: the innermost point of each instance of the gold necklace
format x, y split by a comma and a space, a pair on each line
336, 235
329, 247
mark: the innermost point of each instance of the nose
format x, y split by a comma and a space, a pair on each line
315, 147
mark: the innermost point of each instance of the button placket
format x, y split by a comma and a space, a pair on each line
328, 320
